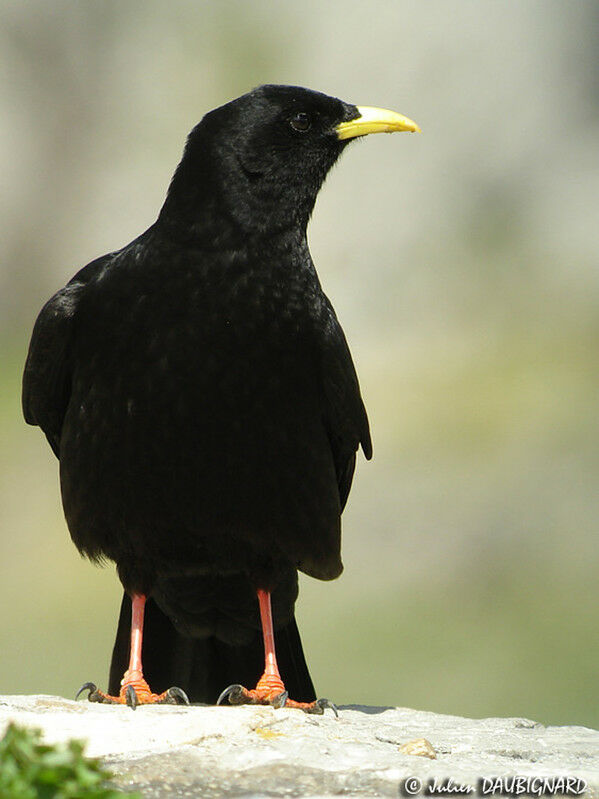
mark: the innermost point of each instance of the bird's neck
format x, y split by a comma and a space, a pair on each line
203, 227
191, 214
219, 207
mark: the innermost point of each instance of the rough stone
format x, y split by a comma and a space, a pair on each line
173, 751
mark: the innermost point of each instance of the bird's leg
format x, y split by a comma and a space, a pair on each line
134, 688
270, 689
270, 685
133, 677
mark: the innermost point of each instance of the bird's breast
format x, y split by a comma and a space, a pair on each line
195, 408
227, 350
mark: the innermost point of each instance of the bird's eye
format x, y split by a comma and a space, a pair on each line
301, 122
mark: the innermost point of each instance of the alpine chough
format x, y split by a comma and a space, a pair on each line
200, 395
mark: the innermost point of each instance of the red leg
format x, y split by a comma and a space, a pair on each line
134, 675
270, 689
134, 688
270, 685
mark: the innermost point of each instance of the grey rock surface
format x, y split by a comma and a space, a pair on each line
173, 751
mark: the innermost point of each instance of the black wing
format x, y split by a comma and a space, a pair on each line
47, 376
344, 413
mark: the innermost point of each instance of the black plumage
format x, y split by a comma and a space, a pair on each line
199, 393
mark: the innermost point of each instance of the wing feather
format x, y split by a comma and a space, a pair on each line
344, 413
47, 375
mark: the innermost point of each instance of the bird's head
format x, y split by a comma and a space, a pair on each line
260, 160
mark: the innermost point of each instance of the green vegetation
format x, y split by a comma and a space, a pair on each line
30, 769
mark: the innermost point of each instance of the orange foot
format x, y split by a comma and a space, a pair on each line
271, 691
135, 691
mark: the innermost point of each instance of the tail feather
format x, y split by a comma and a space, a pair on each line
203, 667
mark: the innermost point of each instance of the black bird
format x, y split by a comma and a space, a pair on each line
199, 393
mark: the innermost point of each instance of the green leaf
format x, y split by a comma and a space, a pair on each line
30, 769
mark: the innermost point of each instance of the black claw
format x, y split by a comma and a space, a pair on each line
233, 692
131, 697
319, 706
87, 686
176, 696
280, 699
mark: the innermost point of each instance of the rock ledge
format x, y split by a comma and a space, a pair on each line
173, 751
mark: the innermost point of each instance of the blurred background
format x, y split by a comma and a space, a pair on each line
463, 266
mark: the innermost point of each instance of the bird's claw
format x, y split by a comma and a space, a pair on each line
175, 696
130, 697
317, 708
94, 694
238, 695
279, 700
235, 693
87, 686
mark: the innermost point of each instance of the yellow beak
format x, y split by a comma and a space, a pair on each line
375, 120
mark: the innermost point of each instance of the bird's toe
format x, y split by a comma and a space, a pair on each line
95, 695
236, 694
131, 699
175, 696
279, 700
318, 707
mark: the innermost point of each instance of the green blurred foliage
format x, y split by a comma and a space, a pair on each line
463, 266
30, 769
